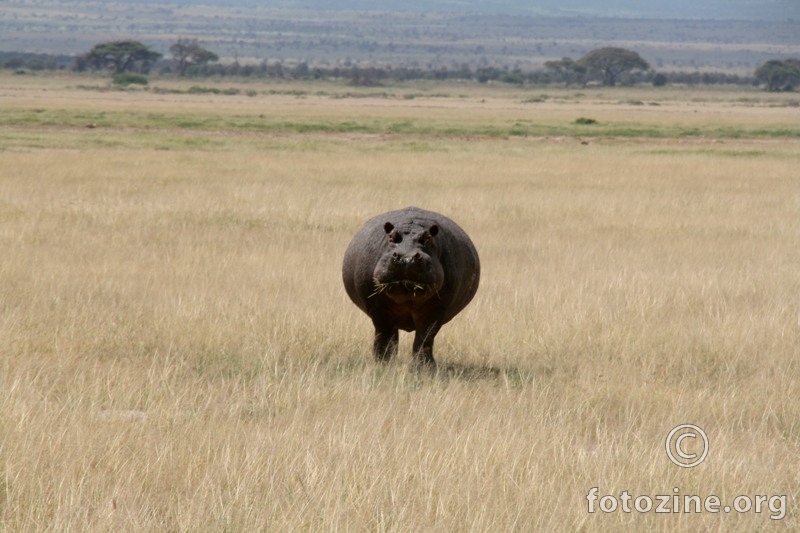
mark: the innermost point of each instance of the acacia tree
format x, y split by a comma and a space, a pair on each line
779, 75
186, 53
610, 62
121, 56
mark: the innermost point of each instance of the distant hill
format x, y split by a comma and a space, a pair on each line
731, 35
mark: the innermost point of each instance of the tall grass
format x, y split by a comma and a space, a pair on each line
178, 353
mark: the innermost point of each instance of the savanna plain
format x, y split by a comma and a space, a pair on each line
177, 352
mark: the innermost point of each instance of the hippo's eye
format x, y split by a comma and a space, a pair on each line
395, 237
426, 238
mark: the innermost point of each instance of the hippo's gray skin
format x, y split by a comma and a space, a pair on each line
413, 270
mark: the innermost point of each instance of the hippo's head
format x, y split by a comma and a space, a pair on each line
409, 268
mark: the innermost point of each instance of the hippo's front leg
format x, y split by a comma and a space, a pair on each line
384, 346
423, 345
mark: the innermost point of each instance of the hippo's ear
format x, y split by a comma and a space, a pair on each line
433, 230
394, 236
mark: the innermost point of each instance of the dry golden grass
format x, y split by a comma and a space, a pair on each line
178, 352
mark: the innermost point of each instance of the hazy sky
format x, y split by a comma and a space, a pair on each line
688, 9
672, 9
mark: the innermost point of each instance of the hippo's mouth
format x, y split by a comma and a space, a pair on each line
405, 286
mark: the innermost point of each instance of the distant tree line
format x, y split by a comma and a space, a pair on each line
34, 62
607, 66
376, 75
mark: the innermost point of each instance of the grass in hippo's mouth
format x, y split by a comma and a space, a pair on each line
404, 284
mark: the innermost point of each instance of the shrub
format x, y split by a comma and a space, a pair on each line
129, 78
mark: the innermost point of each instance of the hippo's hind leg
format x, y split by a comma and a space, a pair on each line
384, 346
423, 345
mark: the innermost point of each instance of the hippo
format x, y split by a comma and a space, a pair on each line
410, 269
